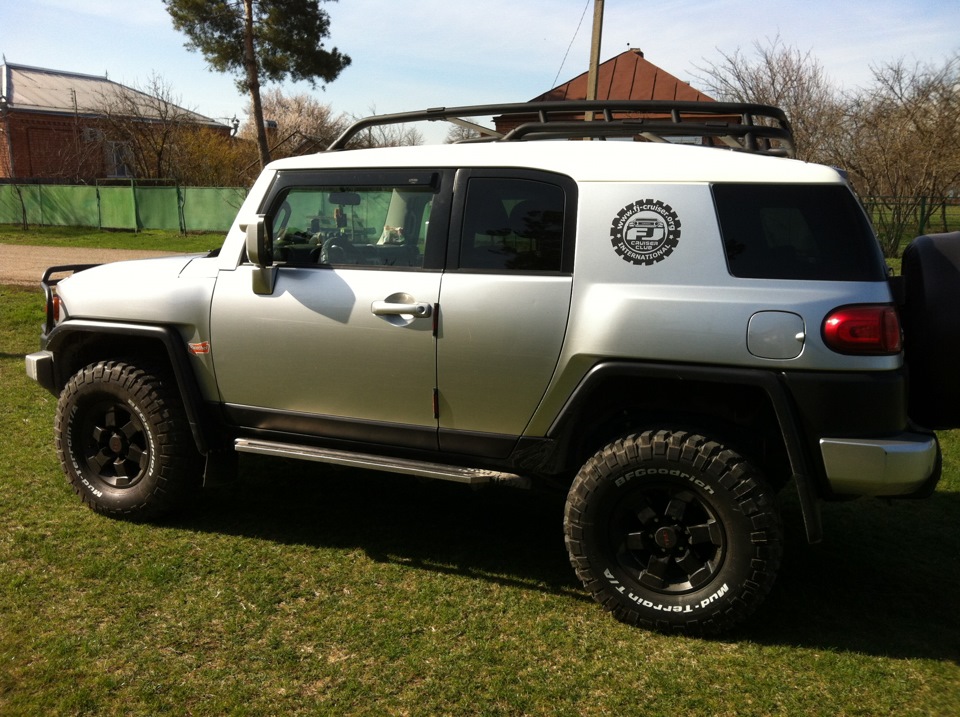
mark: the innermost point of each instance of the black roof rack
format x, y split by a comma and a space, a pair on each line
741, 126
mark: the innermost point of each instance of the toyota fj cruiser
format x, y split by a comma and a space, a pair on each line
669, 333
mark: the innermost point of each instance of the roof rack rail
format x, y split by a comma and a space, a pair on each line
747, 127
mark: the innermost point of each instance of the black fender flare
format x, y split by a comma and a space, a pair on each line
175, 350
768, 381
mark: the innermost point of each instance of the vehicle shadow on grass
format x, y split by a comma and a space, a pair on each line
885, 580
501, 534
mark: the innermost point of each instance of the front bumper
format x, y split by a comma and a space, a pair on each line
39, 367
905, 465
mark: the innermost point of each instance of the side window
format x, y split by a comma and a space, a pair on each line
352, 225
796, 231
512, 225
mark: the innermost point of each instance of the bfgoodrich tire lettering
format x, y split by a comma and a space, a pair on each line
671, 531
124, 441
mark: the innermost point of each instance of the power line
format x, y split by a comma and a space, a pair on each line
582, 15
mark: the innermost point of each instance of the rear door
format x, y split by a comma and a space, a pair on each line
504, 304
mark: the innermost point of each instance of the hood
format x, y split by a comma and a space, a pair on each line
142, 290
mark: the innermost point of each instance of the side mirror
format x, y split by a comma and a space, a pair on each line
260, 243
259, 246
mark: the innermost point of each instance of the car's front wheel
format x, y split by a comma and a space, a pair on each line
124, 441
674, 532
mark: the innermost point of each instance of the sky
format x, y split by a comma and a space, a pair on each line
414, 54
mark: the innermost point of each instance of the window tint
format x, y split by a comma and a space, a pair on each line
512, 225
814, 232
344, 225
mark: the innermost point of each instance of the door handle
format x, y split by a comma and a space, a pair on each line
417, 309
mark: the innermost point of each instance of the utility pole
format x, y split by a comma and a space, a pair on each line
594, 53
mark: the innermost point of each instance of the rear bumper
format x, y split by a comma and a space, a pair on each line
905, 465
39, 367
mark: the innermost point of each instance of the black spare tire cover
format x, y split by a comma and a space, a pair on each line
931, 325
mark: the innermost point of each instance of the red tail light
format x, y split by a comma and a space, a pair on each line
863, 330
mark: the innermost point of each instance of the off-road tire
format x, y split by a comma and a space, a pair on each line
124, 441
673, 532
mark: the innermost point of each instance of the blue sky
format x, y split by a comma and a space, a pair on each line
424, 53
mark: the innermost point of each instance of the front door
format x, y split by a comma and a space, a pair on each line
344, 346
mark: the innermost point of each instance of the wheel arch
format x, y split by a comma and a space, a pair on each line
749, 409
78, 343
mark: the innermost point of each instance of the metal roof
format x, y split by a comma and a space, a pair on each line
36, 89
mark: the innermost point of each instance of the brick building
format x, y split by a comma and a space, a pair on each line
53, 124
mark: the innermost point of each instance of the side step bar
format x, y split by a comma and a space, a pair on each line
424, 469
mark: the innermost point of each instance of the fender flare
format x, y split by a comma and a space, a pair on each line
176, 353
768, 381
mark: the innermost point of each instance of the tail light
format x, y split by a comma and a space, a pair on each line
873, 330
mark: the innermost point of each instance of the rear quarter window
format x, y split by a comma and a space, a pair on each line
796, 231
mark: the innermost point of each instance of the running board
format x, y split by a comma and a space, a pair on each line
366, 461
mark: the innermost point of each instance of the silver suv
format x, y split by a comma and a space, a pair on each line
669, 333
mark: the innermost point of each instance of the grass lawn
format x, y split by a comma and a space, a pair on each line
87, 238
305, 590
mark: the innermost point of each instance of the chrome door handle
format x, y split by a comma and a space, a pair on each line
419, 310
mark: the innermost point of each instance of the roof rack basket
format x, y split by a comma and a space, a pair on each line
740, 126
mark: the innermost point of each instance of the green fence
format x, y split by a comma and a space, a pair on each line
897, 220
127, 206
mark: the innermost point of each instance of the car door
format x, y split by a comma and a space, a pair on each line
344, 346
504, 303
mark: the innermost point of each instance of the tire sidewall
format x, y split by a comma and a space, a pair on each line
140, 394
610, 478
621, 485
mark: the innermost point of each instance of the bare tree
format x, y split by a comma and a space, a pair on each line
79, 150
784, 77
460, 134
394, 135
900, 142
898, 139
302, 122
142, 124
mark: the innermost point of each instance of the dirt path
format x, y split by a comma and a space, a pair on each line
24, 265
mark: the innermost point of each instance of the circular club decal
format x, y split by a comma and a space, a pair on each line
645, 232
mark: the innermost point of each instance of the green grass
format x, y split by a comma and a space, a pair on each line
303, 590
84, 237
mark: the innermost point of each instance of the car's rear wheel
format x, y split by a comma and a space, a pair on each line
671, 531
124, 441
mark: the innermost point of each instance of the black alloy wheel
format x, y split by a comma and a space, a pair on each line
673, 532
